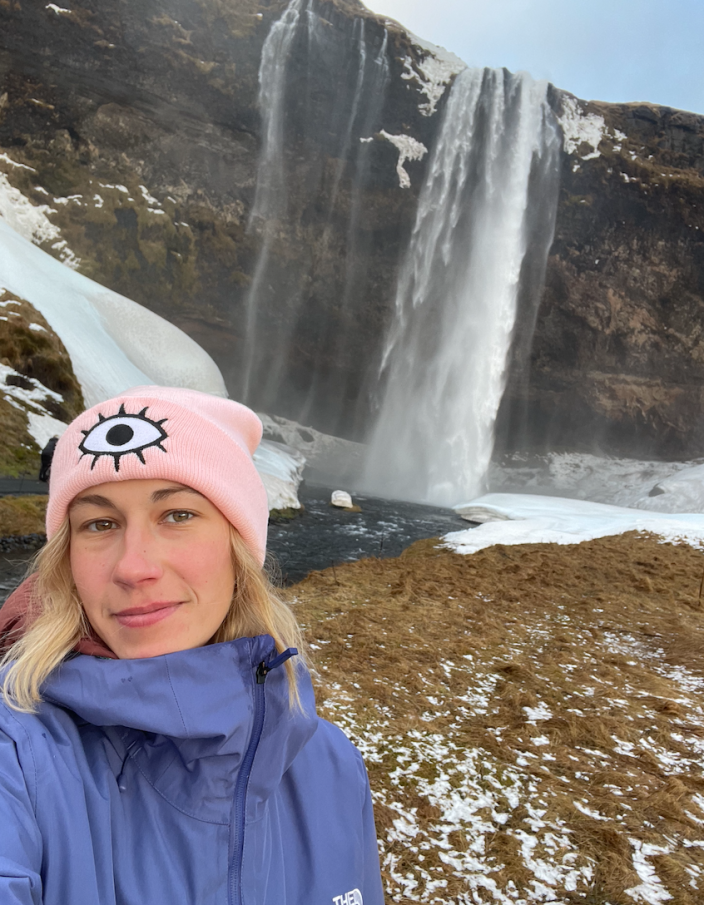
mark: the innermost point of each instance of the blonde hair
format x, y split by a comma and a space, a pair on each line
61, 623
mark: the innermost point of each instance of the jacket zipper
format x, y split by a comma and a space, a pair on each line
235, 896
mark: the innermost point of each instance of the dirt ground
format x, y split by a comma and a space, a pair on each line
532, 717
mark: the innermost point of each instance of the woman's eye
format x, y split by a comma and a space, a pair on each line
179, 517
102, 524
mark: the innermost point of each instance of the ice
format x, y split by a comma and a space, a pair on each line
281, 469
507, 518
113, 342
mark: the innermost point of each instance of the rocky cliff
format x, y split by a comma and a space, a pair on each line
616, 362
137, 127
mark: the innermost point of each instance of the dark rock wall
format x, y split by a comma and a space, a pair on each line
617, 357
119, 94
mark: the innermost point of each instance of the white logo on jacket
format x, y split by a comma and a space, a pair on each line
353, 897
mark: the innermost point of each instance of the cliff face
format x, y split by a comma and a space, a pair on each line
617, 358
141, 128
137, 125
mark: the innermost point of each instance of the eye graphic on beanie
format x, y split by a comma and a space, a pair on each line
121, 434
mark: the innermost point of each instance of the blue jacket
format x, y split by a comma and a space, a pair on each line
182, 780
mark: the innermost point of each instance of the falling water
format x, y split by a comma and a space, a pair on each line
444, 362
352, 111
270, 196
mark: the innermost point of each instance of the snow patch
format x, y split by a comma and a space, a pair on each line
13, 163
31, 221
59, 10
41, 425
526, 519
150, 199
436, 71
579, 128
651, 889
408, 149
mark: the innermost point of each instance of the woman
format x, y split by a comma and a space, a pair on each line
158, 738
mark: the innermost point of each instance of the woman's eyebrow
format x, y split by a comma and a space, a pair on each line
160, 495
93, 499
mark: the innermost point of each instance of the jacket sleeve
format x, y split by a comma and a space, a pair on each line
20, 839
373, 892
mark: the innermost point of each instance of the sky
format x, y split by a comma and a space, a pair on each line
608, 50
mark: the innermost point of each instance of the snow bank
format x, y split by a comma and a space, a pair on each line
507, 518
680, 492
113, 342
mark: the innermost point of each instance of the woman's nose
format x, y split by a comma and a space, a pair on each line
138, 559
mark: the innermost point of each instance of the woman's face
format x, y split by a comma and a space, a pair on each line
152, 565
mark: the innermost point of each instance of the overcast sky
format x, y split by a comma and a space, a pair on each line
610, 50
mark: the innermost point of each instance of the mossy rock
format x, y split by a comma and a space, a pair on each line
277, 516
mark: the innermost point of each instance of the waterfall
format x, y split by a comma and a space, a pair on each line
312, 168
444, 363
270, 194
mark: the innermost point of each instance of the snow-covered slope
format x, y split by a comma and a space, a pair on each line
114, 343
679, 492
508, 518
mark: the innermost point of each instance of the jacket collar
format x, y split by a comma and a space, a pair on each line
200, 701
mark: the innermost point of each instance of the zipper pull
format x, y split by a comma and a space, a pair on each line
264, 669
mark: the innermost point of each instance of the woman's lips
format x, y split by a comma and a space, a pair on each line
143, 616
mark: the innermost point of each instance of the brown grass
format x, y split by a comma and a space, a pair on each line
22, 515
428, 661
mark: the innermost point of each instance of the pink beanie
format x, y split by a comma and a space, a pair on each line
203, 441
